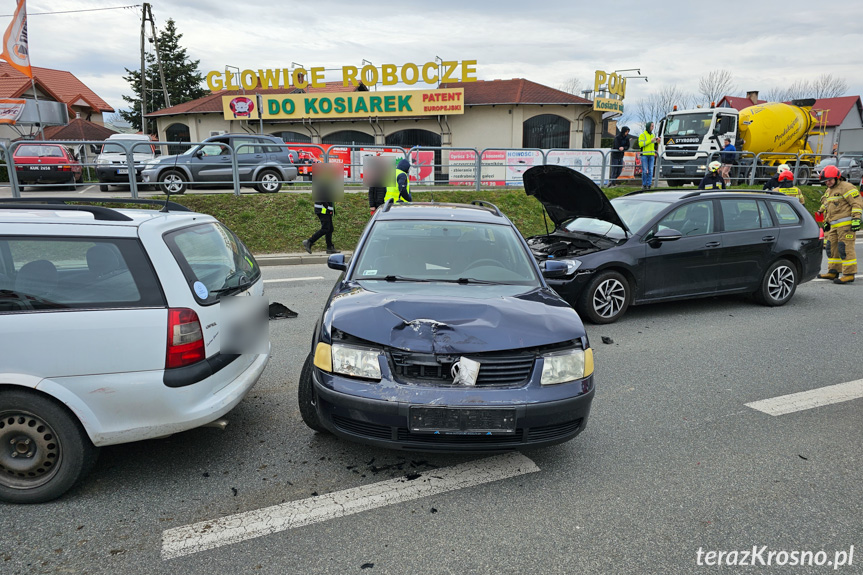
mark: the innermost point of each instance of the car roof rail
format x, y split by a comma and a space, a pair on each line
485, 204
388, 205
99, 212
74, 201
700, 192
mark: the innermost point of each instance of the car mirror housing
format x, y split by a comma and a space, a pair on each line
337, 262
666, 235
554, 269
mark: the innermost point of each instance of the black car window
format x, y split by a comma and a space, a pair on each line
445, 250
693, 219
51, 273
740, 214
766, 219
785, 214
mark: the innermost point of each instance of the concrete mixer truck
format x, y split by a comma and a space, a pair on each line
690, 139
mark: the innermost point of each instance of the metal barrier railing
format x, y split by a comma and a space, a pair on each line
592, 162
354, 154
740, 166
450, 166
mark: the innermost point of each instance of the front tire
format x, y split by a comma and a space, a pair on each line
778, 285
44, 450
269, 183
172, 182
605, 299
103, 187
306, 398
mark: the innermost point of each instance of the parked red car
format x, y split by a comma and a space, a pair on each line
47, 164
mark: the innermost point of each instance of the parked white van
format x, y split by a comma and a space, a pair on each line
116, 325
112, 165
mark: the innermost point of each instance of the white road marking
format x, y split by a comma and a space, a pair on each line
809, 399
294, 279
231, 529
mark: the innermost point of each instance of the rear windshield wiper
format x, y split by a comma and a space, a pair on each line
236, 288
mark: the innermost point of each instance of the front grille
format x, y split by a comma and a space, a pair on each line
362, 428
506, 369
549, 432
404, 434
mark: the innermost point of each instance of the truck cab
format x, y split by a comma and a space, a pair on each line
690, 139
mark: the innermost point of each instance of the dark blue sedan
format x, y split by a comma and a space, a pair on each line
442, 334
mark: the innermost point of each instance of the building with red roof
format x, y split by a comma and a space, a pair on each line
496, 114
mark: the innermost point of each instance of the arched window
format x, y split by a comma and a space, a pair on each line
546, 131
293, 137
177, 133
413, 137
589, 133
348, 138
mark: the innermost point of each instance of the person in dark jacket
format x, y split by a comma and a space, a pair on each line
324, 211
773, 183
618, 148
376, 173
400, 188
728, 158
712, 180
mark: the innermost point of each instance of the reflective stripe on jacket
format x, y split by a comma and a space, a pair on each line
841, 203
645, 142
393, 192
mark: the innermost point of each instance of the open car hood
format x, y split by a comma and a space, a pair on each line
568, 194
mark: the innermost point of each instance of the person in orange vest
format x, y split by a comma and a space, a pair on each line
842, 208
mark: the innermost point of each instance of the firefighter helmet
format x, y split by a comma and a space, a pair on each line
786, 176
830, 172
782, 168
714, 166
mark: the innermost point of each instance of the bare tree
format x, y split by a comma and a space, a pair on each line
571, 86
776, 94
715, 84
799, 89
828, 86
656, 106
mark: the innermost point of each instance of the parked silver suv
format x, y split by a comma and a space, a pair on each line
262, 160
116, 325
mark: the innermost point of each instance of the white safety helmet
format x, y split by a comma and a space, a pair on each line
782, 168
714, 166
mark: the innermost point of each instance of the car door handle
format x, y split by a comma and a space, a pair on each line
712, 244
768, 238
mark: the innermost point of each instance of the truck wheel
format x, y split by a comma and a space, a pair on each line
803, 176
172, 182
605, 298
43, 449
778, 284
306, 398
269, 182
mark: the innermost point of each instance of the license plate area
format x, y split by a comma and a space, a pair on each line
122, 171
40, 168
462, 420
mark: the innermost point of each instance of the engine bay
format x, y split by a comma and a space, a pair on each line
562, 246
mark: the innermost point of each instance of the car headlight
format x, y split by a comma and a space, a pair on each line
348, 360
702, 167
102, 161
564, 366
571, 266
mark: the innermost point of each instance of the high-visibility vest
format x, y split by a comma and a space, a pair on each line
793, 192
393, 189
324, 208
645, 142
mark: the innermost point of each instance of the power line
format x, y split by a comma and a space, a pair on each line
76, 11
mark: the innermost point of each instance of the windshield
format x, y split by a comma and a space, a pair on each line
635, 213
118, 149
688, 124
426, 250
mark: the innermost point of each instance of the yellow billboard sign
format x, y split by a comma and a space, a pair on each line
433, 73
323, 105
612, 83
608, 105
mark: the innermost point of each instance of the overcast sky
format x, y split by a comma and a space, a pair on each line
764, 44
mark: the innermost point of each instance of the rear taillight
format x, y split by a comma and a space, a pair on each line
64, 168
185, 338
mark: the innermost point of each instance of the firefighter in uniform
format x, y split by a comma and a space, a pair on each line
787, 187
842, 208
399, 189
712, 180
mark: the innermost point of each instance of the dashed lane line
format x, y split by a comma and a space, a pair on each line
293, 279
231, 529
809, 399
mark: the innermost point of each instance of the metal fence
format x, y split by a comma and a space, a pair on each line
268, 167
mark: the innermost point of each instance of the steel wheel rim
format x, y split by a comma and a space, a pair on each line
30, 451
269, 182
173, 183
780, 283
609, 297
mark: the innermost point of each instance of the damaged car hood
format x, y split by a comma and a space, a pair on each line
413, 317
568, 194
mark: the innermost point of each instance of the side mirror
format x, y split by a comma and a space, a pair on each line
199, 154
554, 269
666, 235
337, 262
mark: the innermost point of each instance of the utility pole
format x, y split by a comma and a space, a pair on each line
143, 72
147, 16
